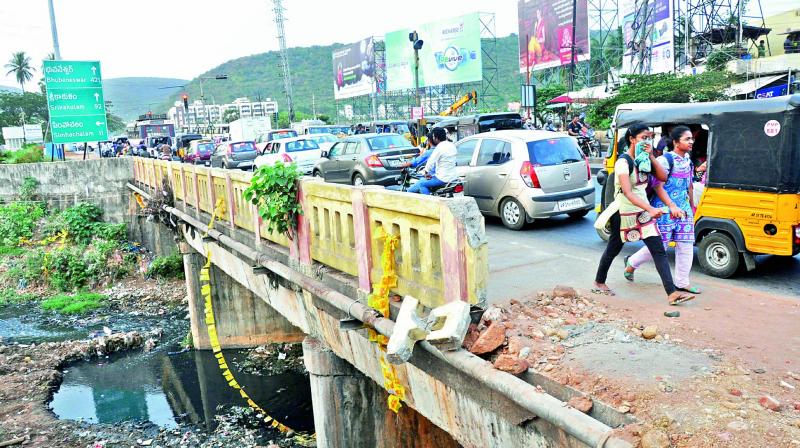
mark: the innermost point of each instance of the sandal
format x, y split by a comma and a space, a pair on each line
690, 290
682, 298
628, 274
603, 292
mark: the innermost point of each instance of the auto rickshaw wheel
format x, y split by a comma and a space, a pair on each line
718, 255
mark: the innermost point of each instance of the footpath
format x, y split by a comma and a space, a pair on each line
725, 372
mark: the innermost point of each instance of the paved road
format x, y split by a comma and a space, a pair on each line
566, 251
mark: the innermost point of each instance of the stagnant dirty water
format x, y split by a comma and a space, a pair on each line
166, 387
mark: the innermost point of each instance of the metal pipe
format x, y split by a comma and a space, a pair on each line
54, 31
584, 428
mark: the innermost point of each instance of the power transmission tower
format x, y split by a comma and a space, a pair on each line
287, 74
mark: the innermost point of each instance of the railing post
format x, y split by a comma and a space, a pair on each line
363, 240
183, 187
300, 248
256, 224
196, 191
212, 194
454, 262
231, 207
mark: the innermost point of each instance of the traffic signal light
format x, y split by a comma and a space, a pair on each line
185, 102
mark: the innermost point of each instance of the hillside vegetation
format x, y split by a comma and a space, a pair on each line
260, 76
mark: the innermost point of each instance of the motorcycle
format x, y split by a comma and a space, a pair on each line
410, 176
589, 144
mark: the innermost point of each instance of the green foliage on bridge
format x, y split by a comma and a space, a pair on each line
273, 189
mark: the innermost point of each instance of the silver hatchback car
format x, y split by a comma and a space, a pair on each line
522, 175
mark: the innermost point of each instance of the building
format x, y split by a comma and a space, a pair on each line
781, 24
200, 115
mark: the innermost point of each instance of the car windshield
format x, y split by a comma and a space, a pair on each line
301, 145
243, 147
387, 142
554, 151
277, 135
324, 138
205, 147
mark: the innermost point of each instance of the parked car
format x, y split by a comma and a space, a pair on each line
302, 151
325, 141
374, 159
234, 155
199, 152
522, 175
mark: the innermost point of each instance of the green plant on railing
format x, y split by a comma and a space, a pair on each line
273, 190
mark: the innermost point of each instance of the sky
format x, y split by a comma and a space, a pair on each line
183, 38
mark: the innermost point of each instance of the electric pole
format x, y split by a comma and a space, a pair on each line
572, 47
54, 30
287, 74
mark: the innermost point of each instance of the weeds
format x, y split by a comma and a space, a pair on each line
80, 303
10, 296
170, 266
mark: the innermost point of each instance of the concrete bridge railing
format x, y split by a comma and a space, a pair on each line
441, 257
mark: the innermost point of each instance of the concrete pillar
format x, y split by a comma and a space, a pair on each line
243, 320
350, 409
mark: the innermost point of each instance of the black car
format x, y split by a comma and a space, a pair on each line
366, 159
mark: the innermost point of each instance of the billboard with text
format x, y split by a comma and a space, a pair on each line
545, 33
451, 54
647, 31
354, 69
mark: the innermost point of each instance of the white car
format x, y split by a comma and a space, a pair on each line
302, 151
325, 141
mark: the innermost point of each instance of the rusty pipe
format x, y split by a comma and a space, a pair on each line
584, 428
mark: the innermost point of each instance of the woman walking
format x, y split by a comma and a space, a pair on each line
677, 195
636, 219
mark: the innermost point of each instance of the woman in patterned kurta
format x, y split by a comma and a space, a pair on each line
636, 220
678, 225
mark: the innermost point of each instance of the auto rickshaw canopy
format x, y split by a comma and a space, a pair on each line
753, 145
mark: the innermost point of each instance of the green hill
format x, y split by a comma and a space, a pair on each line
132, 97
260, 76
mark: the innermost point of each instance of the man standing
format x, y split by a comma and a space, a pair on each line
440, 167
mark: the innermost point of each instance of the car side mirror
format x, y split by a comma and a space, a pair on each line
324, 154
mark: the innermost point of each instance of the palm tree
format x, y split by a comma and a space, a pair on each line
20, 66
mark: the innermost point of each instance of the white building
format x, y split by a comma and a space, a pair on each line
199, 114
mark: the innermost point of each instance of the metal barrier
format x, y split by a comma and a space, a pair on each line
442, 254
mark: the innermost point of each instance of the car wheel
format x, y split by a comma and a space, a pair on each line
358, 180
579, 214
224, 165
318, 175
718, 255
512, 214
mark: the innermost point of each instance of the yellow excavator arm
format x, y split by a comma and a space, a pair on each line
470, 96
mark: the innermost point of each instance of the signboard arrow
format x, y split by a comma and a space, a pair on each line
96, 97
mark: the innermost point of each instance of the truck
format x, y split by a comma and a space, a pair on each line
249, 128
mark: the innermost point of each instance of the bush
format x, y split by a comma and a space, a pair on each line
80, 221
66, 268
9, 251
170, 266
27, 192
19, 220
80, 303
29, 153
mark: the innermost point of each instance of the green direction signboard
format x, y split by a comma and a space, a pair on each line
75, 101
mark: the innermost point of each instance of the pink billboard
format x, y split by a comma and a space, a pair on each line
545, 33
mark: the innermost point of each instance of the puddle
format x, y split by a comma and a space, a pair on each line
170, 389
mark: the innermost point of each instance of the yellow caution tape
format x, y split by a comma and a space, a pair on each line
379, 300
211, 326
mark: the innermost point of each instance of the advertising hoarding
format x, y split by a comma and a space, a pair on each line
648, 33
545, 33
451, 54
354, 69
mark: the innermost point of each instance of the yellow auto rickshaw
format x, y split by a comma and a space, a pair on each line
750, 203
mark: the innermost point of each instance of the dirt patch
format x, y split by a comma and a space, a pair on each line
698, 395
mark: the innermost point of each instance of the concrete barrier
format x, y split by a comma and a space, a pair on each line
442, 255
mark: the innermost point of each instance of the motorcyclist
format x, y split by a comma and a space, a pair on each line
575, 126
441, 165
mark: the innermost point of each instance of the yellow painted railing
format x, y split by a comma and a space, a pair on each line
441, 257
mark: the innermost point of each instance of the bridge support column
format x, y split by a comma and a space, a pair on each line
243, 320
350, 409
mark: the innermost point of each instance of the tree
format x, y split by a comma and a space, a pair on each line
661, 88
230, 115
115, 123
20, 66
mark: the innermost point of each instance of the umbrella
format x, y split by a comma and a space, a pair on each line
561, 99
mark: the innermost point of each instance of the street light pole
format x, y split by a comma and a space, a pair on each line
572, 47
54, 30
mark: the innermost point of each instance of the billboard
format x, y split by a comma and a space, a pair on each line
647, 30
354, 69
545, 33
451, 54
